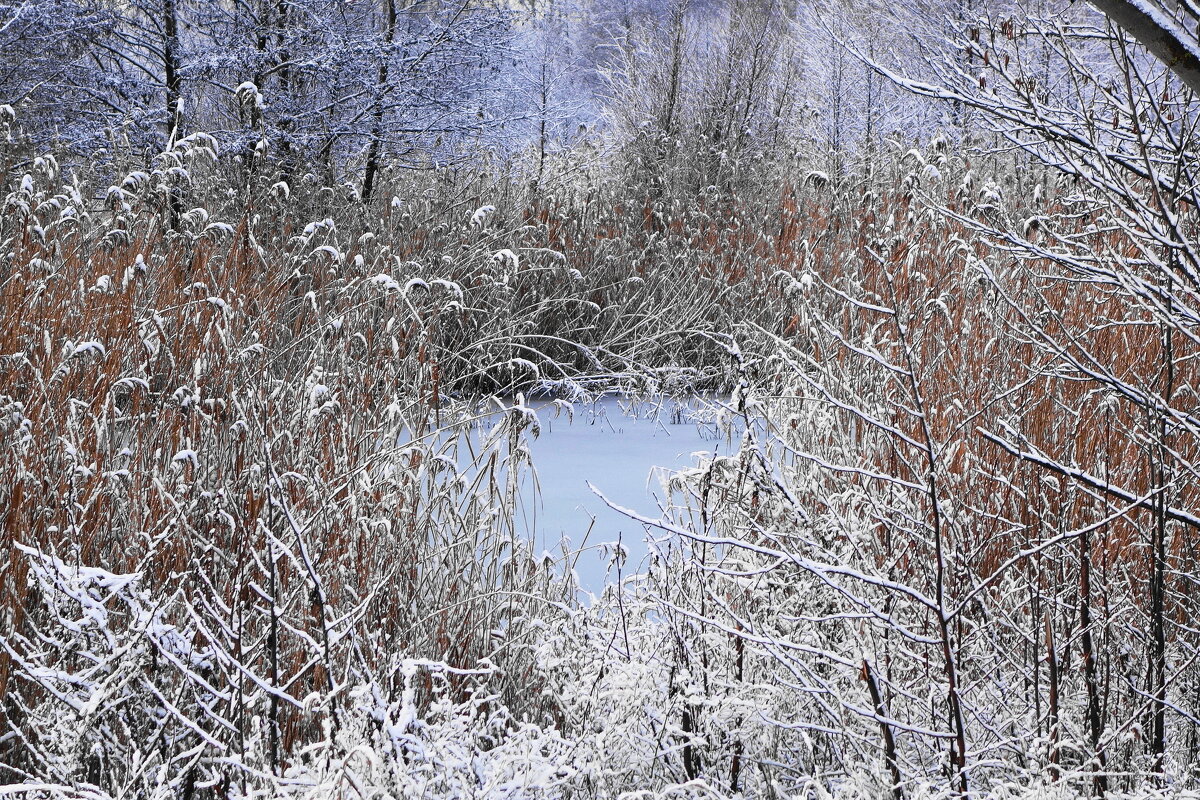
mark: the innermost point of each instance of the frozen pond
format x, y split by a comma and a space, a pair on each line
622, 457
622, 449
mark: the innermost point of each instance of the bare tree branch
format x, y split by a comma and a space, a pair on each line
1169, 42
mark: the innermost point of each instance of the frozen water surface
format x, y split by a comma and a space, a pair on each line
619, 448
622, 448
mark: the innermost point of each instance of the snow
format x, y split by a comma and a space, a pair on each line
624, 457
480, 216
507, 257
84, 348
185, 456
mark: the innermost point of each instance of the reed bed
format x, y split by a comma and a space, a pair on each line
261, 445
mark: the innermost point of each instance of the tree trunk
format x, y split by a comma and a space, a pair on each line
375, 148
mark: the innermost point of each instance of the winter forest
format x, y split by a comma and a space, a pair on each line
309, 307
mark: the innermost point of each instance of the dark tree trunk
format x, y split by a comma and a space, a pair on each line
375, 148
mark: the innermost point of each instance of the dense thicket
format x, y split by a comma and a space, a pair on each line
274, 319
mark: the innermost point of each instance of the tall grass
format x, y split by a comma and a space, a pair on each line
262, 534
892, 517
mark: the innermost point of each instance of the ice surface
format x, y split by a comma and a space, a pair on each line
623, 449
618, 454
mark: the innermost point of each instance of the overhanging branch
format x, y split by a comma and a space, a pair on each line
1154, 29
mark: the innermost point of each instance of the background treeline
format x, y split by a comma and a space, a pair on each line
275, 297
344, 90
